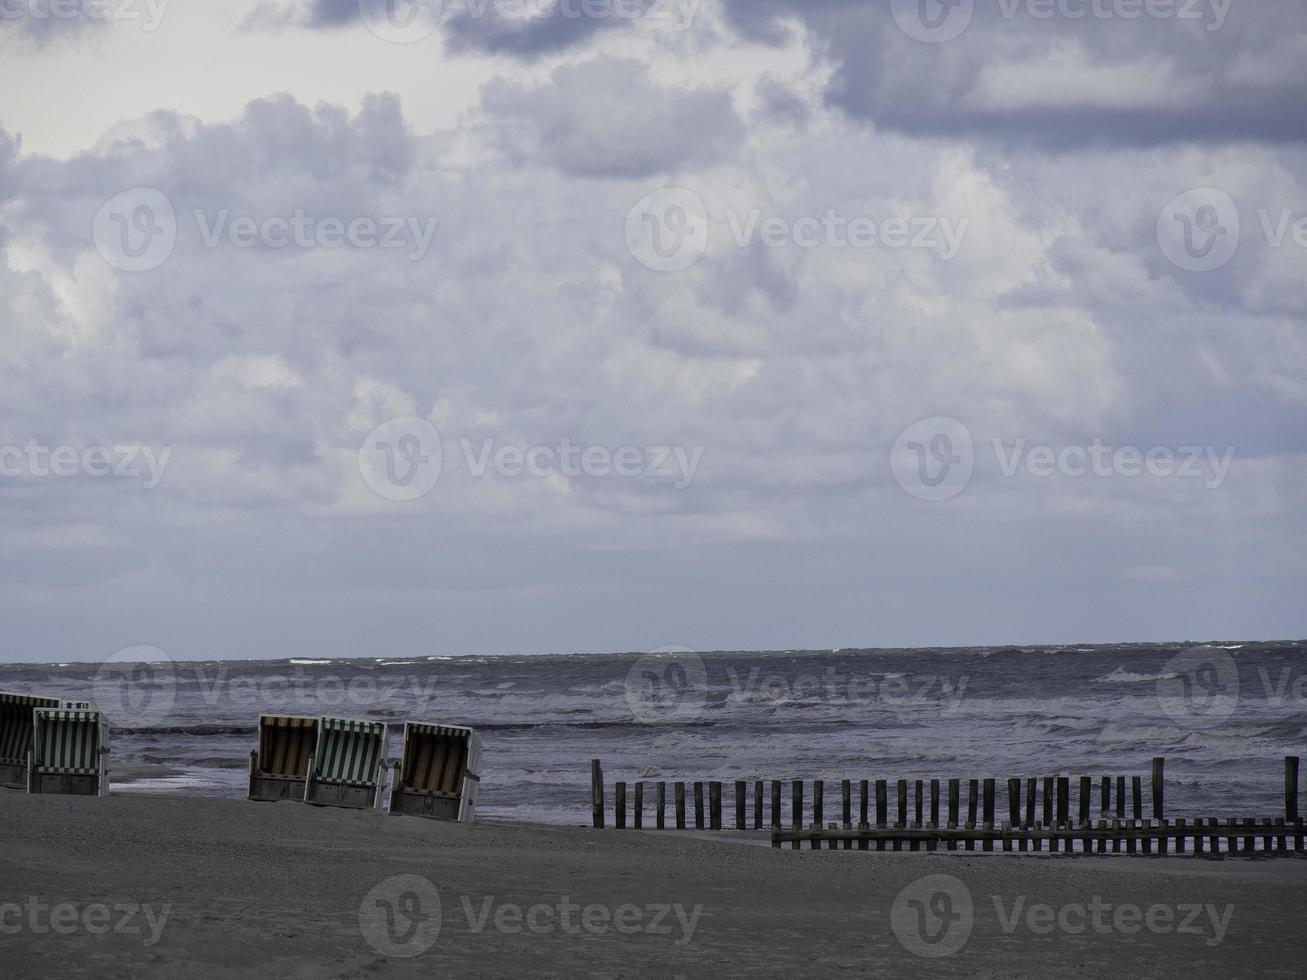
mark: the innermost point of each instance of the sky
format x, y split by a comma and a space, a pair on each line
363, 327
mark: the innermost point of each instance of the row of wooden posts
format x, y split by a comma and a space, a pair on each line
1051, 824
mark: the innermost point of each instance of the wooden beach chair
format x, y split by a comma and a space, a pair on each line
279, 767
439, 773
17, 722
349, 764
70, 752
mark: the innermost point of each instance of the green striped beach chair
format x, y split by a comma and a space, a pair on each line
70, 752
279, 767
17, 722
348, 766
439, 774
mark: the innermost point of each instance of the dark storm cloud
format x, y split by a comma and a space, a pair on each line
488, 32
1225, 74
1059, 75
329, 13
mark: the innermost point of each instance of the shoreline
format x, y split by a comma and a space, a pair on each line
257, 889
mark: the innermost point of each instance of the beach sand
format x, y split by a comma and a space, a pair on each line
219, 887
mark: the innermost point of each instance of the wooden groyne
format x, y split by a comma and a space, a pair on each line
1047, 813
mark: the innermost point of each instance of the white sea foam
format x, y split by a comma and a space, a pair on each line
1123, 676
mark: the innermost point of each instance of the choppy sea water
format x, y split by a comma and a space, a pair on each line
1223, 714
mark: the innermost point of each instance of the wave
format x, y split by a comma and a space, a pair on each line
309, 663
1123, 676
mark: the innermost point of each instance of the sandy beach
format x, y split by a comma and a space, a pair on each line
181, 887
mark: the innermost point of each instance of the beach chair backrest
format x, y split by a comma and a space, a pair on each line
437, 757
17, 713
68, 741
350, 751
286, 744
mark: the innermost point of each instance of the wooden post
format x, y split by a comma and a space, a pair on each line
863, 811
741, 804
1290, 788
973, 803
680, 805
1159, 792
619, 801
901, 819
1198, 837
919, 800
776, 803
639, 805
1137, 794
1086, 792
698, 806
1048, 810
882, 809
1014, 809
796, 807
1064, 801
661, 802
989, 810
757, 805
818, 803
597, 793
715, 805
934, 803
1105, 797
954, 808
1032, 788
1120, 797
846, 804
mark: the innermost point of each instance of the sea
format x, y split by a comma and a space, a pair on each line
1223, 714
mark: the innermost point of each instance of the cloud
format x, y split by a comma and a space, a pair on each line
1026, 73
528, 321
607, 117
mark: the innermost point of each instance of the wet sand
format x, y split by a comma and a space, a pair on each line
159, 886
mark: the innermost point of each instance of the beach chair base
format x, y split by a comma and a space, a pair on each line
64, 784
13, 775
272, 789
336, 794
430, 805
